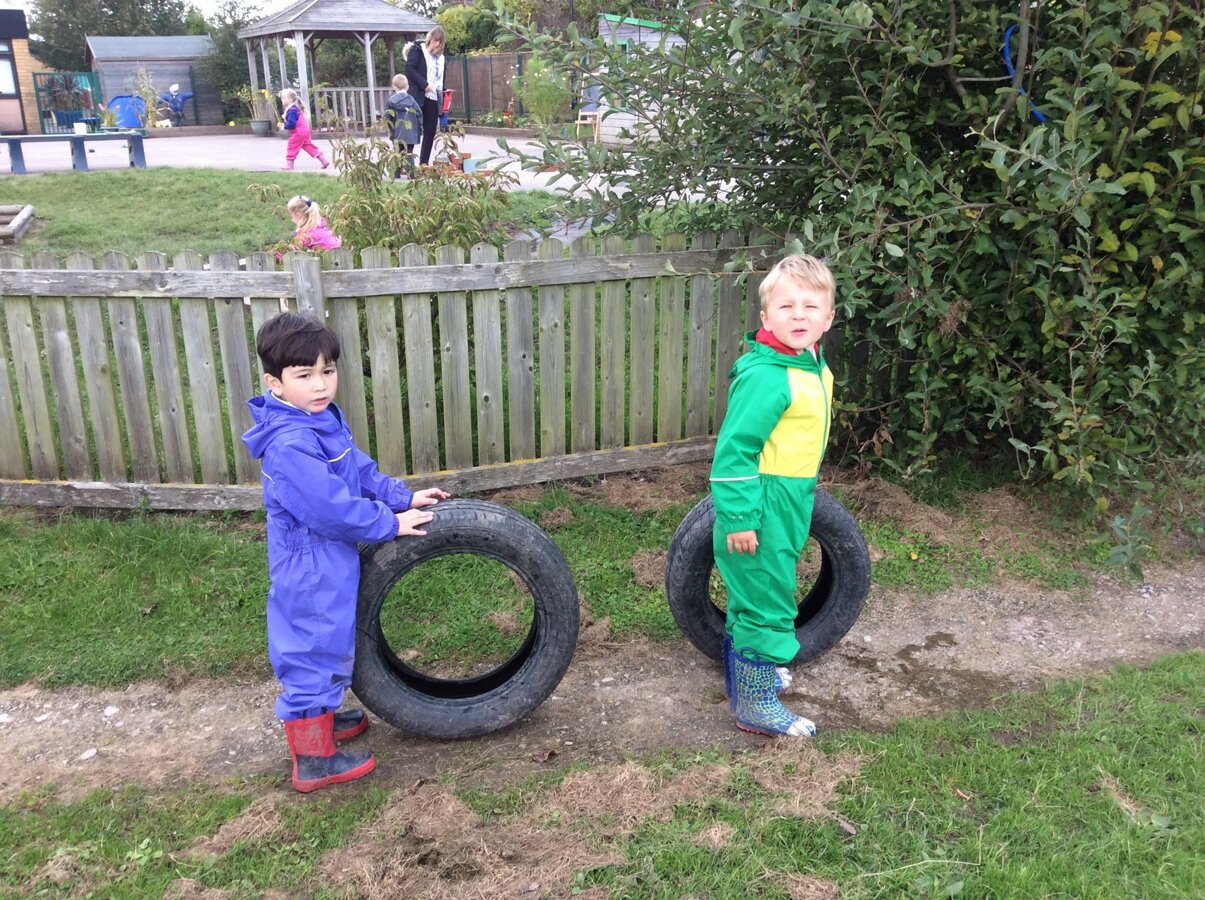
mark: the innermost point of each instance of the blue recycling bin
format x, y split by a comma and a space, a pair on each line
129, 110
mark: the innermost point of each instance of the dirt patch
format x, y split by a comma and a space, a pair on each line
648, 567
426, 843
883, 500
905, 657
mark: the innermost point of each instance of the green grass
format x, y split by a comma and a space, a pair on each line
170, 210
1090, 788
106, 601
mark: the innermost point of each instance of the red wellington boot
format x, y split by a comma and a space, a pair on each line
316, 762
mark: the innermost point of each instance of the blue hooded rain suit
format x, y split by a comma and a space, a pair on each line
323, 496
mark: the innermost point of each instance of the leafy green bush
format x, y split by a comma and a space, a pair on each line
432, 209
544, 91
1000, 277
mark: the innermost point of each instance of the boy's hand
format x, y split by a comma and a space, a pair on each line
428, 497
408, 522
743, 542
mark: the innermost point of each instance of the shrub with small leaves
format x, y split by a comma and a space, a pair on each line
1018, 254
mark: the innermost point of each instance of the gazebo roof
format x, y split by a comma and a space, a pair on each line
336, 18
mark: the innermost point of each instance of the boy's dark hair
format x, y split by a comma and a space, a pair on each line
294, 339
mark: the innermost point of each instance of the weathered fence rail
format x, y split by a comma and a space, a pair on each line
126, 386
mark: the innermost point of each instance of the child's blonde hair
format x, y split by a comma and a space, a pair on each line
303, 205
804, 269
288, 96
401, 82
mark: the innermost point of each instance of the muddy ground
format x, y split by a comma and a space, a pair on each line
905, 657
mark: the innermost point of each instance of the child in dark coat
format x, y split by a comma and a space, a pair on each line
404, 117
323, 496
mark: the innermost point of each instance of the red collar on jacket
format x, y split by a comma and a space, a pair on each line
765, 336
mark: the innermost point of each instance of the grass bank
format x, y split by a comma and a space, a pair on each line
170, 210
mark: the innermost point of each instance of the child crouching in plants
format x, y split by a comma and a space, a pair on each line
763, 483
312, 231
323, 496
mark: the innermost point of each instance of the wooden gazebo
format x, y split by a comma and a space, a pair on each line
308, 23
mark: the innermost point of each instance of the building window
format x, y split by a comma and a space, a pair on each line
8, 70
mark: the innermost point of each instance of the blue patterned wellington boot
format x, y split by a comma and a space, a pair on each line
785, 676
756, 705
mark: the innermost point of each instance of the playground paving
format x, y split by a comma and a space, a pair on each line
246, 152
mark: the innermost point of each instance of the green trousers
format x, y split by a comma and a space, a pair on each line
761, 587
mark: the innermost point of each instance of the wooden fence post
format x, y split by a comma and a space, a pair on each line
307, 283
487, 355
202, 378
520, 360
131, 378
582, 359
552, 357
61, 362
454, 367
669, 348
420, 369
236, 368
98, 379
614, 355
381, 316
642, 372
12, 453
343, 316
699, 348
165, 367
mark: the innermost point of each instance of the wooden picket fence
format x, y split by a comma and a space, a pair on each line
474, 369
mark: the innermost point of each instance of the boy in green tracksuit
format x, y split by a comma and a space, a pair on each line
763, 482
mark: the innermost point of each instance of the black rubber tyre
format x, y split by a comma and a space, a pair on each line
461, 708
827, 610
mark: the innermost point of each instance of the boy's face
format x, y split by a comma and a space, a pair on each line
796, 314
309, 388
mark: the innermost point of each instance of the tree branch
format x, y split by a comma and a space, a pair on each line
1018, 70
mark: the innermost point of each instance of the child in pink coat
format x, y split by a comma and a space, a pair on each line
299, 131
312, 231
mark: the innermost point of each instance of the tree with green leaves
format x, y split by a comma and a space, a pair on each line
58, 27
1011, 194
225, 67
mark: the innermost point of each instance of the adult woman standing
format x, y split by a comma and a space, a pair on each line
425, 72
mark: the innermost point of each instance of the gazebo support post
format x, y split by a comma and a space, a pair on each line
303, 75
251, 68
367, 39
280, 58
263, 51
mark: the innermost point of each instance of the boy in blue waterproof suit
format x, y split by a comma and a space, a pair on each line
763, 483
323, 496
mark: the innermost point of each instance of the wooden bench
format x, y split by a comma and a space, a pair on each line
79, 153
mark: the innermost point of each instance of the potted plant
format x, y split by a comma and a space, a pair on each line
107, 117
261, 107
